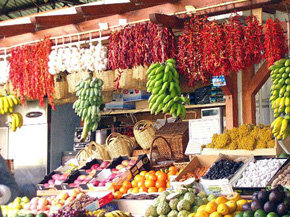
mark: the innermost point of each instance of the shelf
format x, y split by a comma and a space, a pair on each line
134, 111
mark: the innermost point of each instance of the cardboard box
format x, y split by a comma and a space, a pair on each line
251, 190
198, 161
143, 104
224, 186
282, 169
132, 95
276, 151
103, 199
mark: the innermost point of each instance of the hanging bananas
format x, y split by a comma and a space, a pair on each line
280, 98
15, 121
163, 84
7, 103
87, 107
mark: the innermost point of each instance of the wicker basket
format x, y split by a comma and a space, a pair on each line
82, 75
60, 86
180, 165
119, 145
164, 156
108, 78
72, 80
126, 80
144, 133
177, 135
92, 151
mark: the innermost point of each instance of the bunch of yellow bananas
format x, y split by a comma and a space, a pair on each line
16, 121
280, 98
7, 103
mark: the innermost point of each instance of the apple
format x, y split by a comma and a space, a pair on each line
56, 176
50, 182
46, 185
95, 166
82, 177
125, 163
101, 184
77, 182
132, 162
96, 183
89, 170
62, 177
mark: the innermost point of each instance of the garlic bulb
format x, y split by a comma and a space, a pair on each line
4, 72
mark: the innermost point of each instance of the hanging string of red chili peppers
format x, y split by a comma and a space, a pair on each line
253, 41
190, 51
275, 41
140, 44
29, 72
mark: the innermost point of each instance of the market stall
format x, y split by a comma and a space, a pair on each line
153, 116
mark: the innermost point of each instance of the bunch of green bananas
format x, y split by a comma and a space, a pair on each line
7, 103
280, 97
163, 84
16, 121
87, 106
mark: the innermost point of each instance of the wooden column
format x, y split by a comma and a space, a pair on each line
252, 83
231, 94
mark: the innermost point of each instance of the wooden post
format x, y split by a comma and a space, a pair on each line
231, 93
252, 83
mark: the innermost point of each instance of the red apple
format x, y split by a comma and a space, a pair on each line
132, 162
120, 167
89, 170
96, 183
95, 166
125, 162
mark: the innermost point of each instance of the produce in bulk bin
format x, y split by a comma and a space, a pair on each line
104, 213
282, 178
29, 73
163, 83
275, 41
280, 98
273, 203
259, 173
223, 168
246, 136
179, 203
89, 93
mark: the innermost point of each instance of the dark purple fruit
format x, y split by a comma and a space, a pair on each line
247, 206
282, 209
255, 195
287, 202
276, 196
256, 204
269, 207
263, 196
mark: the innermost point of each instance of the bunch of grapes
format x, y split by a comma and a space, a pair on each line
70, 213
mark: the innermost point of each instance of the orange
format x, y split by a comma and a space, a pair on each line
143, 173
229, 215
117, 187
130, 190
135, 190
161, 189
152, 172
149, 183
134, 183
139, 178
168, 185
160, 184
215, 214
118, 195
223, 209
211, 207
231, 205
171, 174
162, 177
147, 175
158, 172
152, 189
240, 204
202, 214
201, 208
123, 190
141, 184
143, 189
173, 169
152, 177
127, 184
221, 199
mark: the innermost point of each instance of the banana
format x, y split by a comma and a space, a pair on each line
17, 120
6, 104
14, 99
283, 127
13, 123
278, 124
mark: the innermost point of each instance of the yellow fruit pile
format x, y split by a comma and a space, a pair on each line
221, 207
247, 137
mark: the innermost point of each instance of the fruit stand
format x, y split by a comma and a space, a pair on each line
163, 109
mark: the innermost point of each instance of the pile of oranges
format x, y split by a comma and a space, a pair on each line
150, 182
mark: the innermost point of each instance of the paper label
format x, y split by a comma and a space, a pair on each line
216, 187
219, 81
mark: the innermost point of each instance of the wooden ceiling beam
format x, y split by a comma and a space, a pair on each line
16, 29
133, 16
58, 20
166, 20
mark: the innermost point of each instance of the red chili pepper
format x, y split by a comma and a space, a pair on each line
275, 41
